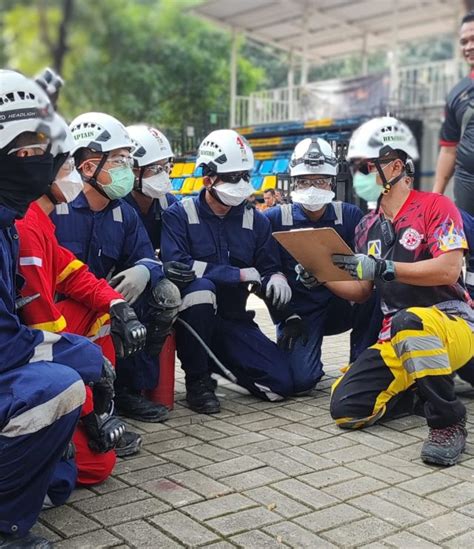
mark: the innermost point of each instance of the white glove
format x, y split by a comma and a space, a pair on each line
306, 278
250, 275
278, 290
131, 282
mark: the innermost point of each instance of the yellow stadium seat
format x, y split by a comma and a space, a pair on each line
269, 183
188, 185
198, 183
188, 169
177, 170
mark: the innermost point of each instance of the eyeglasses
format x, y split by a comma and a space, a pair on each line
38, 149
120, 161
156, 169
319, 183
234, 177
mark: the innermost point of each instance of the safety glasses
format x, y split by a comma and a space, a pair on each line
121, 160
234, 177
156, 169
318, 183
37, 149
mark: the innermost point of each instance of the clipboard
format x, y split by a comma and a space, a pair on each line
313, 248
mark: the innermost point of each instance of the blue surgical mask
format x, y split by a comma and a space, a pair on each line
122, 182
365, 186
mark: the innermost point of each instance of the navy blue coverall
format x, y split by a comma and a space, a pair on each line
109, 242
322, 311
216, 248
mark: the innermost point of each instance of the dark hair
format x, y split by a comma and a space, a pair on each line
468, 17
271, 191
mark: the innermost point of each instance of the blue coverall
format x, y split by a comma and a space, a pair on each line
153, 218
215, 303
322, 311
109, 242
42, 390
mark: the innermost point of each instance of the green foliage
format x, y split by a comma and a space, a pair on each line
147, 60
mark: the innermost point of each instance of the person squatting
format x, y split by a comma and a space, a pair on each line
100, 263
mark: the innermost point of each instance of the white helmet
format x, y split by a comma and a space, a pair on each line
313, 156
99, 132
385, 131
25, 107
65, 144
150, 145
225, 151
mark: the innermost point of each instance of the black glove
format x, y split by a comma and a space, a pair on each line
103, 431
294, 329
103, 390
128, 333
179, 273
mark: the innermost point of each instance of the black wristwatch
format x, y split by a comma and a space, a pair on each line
388, 275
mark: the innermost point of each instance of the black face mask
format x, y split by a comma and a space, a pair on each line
24, 179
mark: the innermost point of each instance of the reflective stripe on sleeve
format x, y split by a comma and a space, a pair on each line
199, 267
75, 265
44, 351
201, 297
37, 261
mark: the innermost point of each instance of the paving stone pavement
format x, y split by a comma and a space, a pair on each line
263, 474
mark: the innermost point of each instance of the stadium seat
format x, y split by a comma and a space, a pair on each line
177, 183
188, 185
281, 165
198, 184
266, 167
256, 166
188, 169
198, 172
269, 182
177, 170
257, 182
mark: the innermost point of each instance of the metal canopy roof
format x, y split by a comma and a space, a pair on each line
324, 29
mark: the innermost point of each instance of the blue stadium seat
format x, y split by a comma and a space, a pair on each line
257, 181
198, 172
256, 166
177, 183
266, 167
281, 165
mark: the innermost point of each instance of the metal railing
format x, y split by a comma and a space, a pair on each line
418, 87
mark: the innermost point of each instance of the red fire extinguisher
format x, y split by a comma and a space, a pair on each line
163, 393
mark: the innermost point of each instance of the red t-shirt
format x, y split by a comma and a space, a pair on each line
427, 226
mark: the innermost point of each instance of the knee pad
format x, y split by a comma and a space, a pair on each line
165, 303
405, 320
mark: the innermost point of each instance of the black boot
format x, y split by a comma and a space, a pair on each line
28, 541
201, 397
134, 405
129, 444
445, 446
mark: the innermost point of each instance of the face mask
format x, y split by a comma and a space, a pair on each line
24, 179
157, 185
70, 186
312, 199
233, 194
365, 186
122, 182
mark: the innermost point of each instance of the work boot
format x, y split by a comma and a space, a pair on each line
134, 405
201, 397
444, 446
128, 444
28, 541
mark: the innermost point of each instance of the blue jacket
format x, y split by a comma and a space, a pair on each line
468, 222
341, 216
108, 241
20, 345
217, 248
152, 220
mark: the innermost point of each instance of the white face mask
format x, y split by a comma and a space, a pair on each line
233, 194
157, 185
71, 185
312, 199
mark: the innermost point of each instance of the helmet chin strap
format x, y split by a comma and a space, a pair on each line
386, 184
92, 180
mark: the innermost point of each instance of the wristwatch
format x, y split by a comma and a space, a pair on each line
389, 272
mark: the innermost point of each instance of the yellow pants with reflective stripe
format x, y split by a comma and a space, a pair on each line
435, 344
